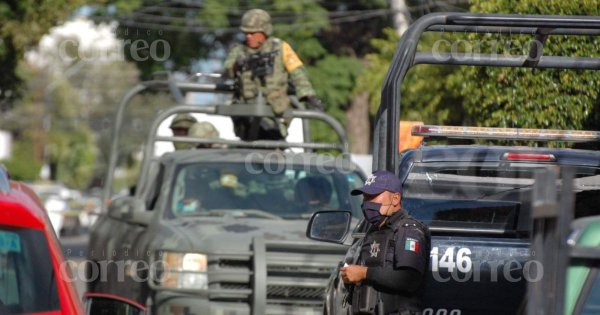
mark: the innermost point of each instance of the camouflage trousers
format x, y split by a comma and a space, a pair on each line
250, 129
260, 128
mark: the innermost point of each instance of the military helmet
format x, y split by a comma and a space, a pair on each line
203, 129
256, 20
182, 121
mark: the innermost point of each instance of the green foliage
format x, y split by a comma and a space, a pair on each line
371, 79
489, 96
74, 155
335, 78
22, 24
126, 6
69, 145
425, 95
196, 32
215, 13
329, 36
526, 98
299, 24
81, 102
23, 165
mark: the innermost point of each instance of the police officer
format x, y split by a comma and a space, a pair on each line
262, 67
204, 129
387, 273
180, 125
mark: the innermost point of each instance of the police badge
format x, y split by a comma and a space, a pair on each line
374, 249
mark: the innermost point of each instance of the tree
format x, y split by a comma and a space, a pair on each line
75, 79
526, 98
496, 97
22, 24
425, 95
331, 37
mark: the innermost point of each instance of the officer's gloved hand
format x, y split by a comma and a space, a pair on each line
313, 102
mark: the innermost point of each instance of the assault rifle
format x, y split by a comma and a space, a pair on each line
261, 64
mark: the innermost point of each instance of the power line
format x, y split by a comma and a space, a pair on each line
145, 17
199, 28
281, 17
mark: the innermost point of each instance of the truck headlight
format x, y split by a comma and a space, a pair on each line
184, 271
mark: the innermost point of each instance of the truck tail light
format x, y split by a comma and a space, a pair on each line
521, 156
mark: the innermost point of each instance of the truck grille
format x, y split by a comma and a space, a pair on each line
234, 286
286, 292
230, 263
275, 274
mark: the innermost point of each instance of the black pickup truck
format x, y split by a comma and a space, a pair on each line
476, 198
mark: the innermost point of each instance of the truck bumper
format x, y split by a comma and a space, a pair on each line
171, 303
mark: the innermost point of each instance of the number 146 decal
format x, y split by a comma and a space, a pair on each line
451, 259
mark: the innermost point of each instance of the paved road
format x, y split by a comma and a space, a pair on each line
75, 250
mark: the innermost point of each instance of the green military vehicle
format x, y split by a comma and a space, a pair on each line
220, 229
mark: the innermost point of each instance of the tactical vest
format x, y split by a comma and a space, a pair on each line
274, 85
378, 249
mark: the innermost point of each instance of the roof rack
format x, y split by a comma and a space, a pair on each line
239, 111
249, 111
459, 132
540, 27
178, 88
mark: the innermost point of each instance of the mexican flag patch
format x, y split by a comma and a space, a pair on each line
412, 245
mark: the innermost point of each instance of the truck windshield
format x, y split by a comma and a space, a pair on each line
27, 279
486, 195
240, 189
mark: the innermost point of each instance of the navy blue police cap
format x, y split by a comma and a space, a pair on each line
379, 182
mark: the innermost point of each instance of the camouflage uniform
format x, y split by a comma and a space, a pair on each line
286, 65
203, 129
183, 122
273, 87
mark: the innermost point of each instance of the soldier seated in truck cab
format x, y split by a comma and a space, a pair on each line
312, 193
204, 129
180, 125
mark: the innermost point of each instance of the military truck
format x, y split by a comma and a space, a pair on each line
220, 230
475, 198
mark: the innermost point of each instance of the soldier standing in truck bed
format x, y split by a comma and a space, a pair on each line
262, 68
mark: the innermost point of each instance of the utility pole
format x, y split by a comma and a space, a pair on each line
47, 117
401, 16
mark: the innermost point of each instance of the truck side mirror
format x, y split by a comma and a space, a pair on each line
130, 209
329, 226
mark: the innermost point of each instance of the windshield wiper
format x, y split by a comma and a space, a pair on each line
503, 191
236, 213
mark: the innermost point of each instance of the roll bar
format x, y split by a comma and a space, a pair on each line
385, 135
177, 89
